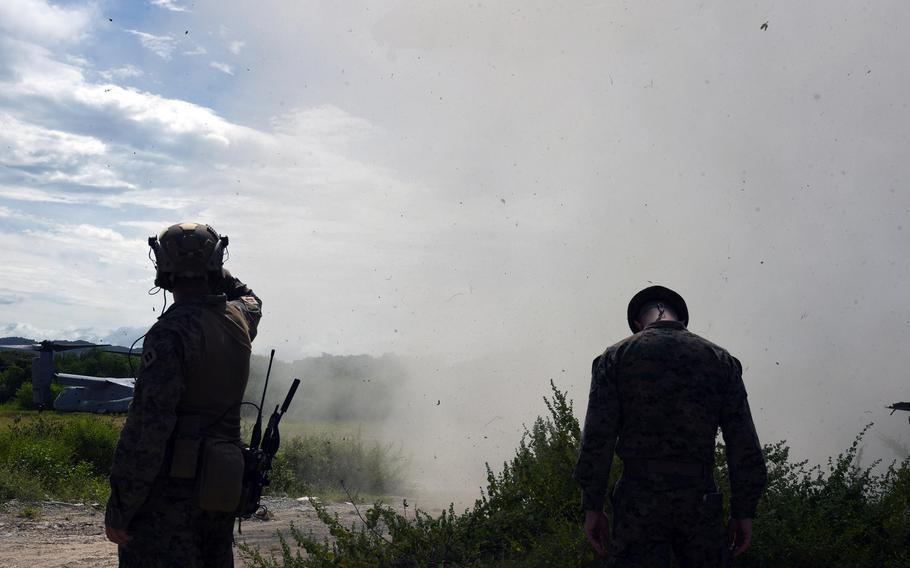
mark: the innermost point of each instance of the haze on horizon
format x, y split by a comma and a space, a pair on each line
480, 188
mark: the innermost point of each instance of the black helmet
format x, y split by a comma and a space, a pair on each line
657, 294
187, 250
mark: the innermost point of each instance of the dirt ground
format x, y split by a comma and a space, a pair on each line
71, 535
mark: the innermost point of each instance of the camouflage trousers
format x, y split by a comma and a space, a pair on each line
652, 526
171, 531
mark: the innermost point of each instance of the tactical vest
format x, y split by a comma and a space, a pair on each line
206, 442
216, 379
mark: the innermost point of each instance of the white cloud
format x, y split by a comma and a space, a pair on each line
169, 5
34, 195
28, 144
169, 121
125, 72
236, 46
100, 244
223, 67
162, 46
96, 262
198, 50
55, 156
169, 200
150, 227
77, 60
169, 117
121, 336
90, 174
42, 22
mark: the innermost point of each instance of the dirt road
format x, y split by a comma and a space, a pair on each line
60, 535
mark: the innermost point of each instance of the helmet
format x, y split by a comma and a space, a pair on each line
187, 250
657, 294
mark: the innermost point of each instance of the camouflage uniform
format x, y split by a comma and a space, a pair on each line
657, 399
195, 364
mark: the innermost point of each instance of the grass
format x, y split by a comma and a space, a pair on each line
65, 457
10, 414
30, 512
331, 466
530, 515
68, 457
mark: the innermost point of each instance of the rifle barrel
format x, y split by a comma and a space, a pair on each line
290, 396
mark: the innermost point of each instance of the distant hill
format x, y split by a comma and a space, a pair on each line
26, 341
15, 341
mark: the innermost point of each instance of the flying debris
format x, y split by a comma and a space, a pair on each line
83, 393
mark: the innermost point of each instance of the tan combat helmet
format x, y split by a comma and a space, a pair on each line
187, 250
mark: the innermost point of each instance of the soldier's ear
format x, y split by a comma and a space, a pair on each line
638, 326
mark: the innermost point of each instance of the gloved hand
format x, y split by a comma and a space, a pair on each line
230, 286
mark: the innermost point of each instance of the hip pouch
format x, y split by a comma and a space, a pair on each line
184, 450
220, 476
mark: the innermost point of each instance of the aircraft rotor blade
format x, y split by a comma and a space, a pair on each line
120, 350
71, 380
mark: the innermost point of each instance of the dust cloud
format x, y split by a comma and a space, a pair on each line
538, 177
477, 189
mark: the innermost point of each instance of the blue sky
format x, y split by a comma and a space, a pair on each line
461, 182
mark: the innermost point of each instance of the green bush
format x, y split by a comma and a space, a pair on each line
97, 363
17, 484
15, 372
24, 399
529, 515
320, 464
57, 458
70, 457
837, 515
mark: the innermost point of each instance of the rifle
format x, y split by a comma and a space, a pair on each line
257, 457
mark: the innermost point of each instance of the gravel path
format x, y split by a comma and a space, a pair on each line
71, 535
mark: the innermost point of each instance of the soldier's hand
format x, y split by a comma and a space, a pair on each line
117, 536
597, 530
740, 534
225, 283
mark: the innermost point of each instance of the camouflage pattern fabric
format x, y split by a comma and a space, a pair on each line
645, 535
172, 352
169, 531
661, 394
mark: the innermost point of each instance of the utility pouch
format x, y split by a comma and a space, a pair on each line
220, 477
185, 448
713, 505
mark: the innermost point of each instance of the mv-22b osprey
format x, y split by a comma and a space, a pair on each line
84, 393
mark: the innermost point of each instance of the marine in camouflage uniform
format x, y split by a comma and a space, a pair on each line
657, 399
190, 383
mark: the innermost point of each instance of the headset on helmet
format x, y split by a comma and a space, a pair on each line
187, 250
